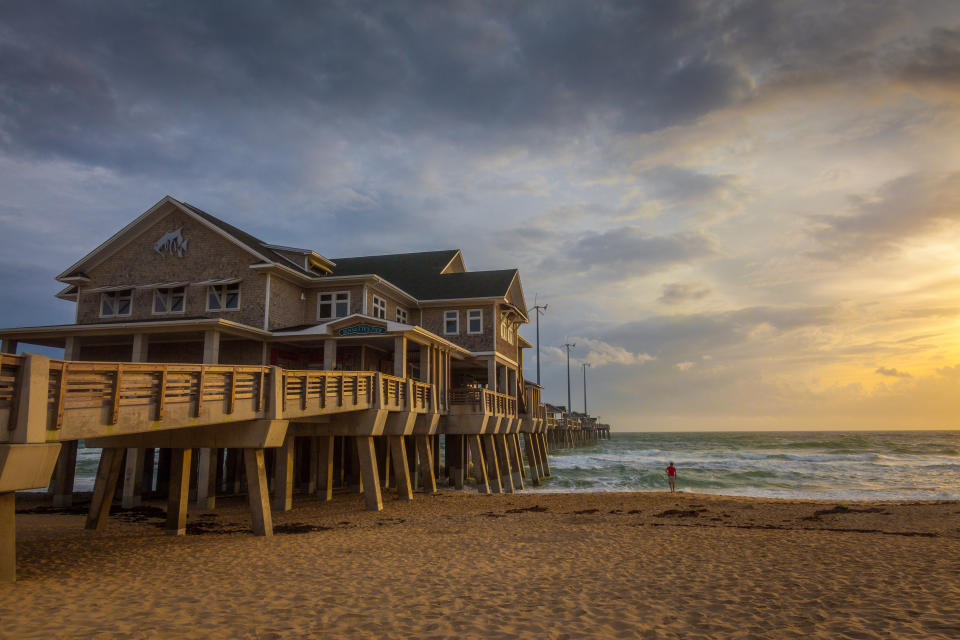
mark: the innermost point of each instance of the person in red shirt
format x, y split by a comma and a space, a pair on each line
672, 476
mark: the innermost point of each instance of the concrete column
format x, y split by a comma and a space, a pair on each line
398, 453
259, 494
63, 475
493, 468
479, 466
400, 357
179, 495
503, 462
104, 487
283, 476
427, 479
329, 355
8, 536
367, 457
325, 468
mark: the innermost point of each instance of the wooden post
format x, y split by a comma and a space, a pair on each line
398, 453
532, 459
367, 457
455, 459
313, 464
400, 357
207, 478
492, 466
503, 462
105, 485
325, 467
516, 464
146, 478
133, 479
163, 472
8, 536
479, 465
427, 480
256, 471
329, 354
283, 475
63, 475
544, 461
179, 495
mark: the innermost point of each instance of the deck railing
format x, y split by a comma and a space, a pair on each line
485, 401
91, 399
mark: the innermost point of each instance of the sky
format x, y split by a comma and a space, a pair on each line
744, 214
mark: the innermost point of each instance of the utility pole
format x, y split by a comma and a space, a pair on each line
539, 309
569, 346
585, 365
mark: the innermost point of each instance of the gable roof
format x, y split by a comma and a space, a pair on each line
421, 275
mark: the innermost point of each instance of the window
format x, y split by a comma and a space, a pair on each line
506, 329
379, 308
334, 305
223, 297
401, 315
451, 323
475, 321
116, 303
168, 300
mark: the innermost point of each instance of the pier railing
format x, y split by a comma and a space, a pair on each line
97, 399
485, 401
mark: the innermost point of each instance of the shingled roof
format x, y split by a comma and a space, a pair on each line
419, 274
254, 243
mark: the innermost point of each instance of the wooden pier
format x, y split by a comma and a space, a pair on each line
228, 426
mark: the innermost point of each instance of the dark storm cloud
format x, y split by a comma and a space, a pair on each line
909, 206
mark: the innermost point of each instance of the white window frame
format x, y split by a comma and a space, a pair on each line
168, 304
447, 317
220, 290
333, 302
115, 297
474, 314
401, 315
379, 307
506, 329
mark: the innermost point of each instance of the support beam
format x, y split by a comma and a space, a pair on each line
455, 459
207, 478
503, 462
367, 457
398, 453
479, 465
532, 459
141, 344
544, 461
133, 479
325, 467
259, 494
8, 537
313, 464
283, 475
211, 346
179, 494
492, 466
63, 475
427, 480
329, 355
71, 348
516, 464
400, 356
105, 485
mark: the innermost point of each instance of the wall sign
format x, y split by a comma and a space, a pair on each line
361, 330
172, 243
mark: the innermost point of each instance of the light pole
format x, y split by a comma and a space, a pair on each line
569, 346
539, 309
585, 365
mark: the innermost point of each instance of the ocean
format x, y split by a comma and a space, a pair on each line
822, 465
850, 465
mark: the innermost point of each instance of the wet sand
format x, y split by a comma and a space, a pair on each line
618, 565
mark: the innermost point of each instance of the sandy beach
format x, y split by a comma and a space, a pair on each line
617, 565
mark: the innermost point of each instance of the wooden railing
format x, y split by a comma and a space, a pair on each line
96, 399
485, 401
312, 392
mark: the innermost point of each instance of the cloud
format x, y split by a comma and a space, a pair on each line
913, 205
676, 293
600, 353
684, 366
893, 373
631, 251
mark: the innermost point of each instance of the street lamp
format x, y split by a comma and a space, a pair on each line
569, 404
539, 309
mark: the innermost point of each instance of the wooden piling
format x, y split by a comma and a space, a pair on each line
258, 493
367, 459
104, 487
398, 453
178, 497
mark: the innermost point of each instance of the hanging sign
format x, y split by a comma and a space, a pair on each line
362, 330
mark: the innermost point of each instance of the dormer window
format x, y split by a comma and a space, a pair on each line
168, 300
116, 303
333, 305
223, 297
379, 308
506, 329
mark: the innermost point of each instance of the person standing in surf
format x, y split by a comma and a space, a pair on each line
672, 477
